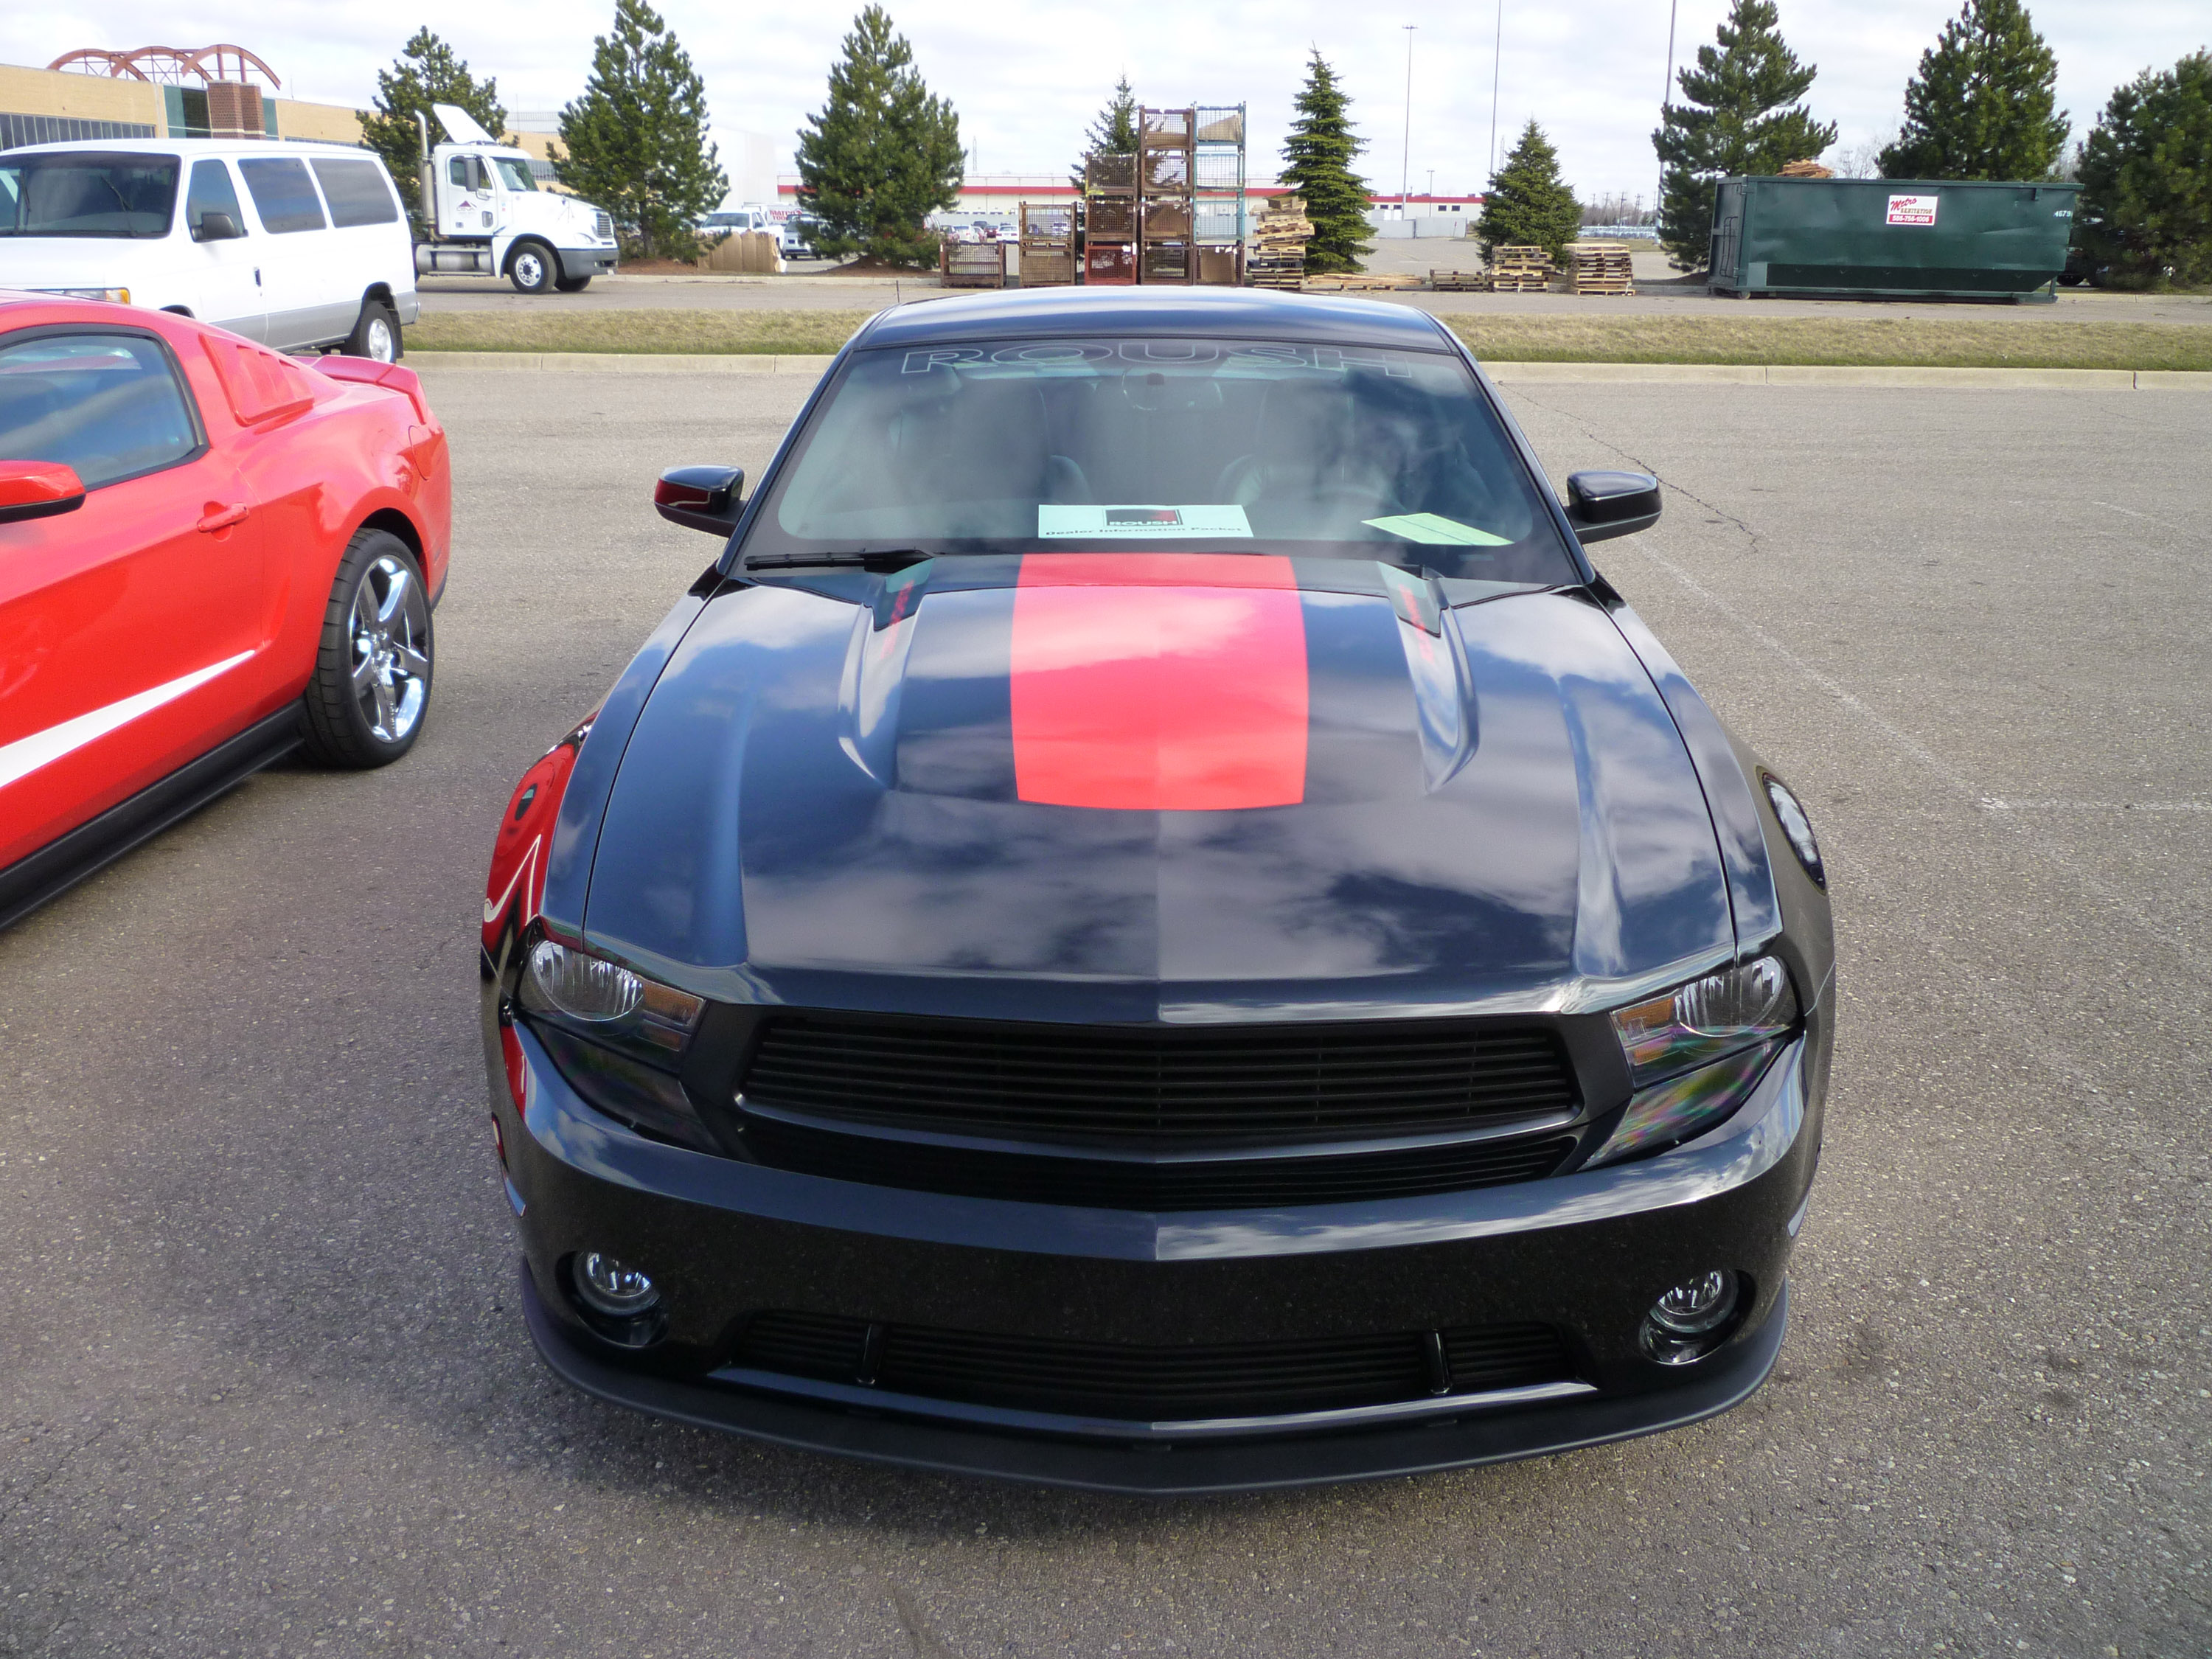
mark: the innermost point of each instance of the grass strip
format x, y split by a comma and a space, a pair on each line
1843, 342
1850, 341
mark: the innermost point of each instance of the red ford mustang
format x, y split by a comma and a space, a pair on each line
210, 555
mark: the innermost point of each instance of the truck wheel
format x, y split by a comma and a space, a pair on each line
364, 706
533, 269
573, 284
376, 335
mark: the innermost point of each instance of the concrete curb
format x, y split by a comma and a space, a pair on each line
2014, 380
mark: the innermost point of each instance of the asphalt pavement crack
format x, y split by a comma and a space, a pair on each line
926, 1643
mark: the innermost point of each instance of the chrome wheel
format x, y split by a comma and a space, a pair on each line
391, 635
381, 339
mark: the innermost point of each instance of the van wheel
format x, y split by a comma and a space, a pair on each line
364, 706
573, 284
376, 335
533, 269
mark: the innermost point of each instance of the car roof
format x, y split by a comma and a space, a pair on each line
189, 146
1238, 312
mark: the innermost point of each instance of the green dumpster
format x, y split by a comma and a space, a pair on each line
1921, 239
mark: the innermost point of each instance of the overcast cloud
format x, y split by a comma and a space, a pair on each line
1027, 80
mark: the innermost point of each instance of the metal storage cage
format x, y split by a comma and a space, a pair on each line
1890, 238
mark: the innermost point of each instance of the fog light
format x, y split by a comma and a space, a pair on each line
1689, 1320
612, 1288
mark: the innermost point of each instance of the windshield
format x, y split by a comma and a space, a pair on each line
1229, 445
76, 194
514, 174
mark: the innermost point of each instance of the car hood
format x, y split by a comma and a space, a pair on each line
1156, 787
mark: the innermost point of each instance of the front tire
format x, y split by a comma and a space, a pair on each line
376, 335
533, 269
371, 688
573, 284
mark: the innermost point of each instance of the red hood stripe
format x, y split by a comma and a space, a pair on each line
1150, 682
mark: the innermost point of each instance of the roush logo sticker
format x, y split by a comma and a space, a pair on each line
1912, 209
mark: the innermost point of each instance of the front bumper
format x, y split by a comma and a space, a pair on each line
1587, 1253
587, 262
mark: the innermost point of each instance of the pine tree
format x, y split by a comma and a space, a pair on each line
883, 154
1317, 158
1740, 114
426, 72
2146, 212
636, 140
1528, 203
1114, 131
1981, 106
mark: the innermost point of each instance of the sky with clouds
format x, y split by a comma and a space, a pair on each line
1027, 79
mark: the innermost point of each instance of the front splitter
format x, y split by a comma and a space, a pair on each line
1189, 1469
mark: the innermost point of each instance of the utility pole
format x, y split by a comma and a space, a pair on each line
1405, 148
1666, 103
1497, 47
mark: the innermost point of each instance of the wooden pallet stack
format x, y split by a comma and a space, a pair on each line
1360, 282
1601, 268
1460, 282
1519, 269
1283, 231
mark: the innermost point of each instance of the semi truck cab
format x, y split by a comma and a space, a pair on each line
485, 214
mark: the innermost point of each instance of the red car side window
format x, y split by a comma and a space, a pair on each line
261, 386
105, 402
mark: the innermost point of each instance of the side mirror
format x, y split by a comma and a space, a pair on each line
217, 227
1603, 505
38, 490
701, 497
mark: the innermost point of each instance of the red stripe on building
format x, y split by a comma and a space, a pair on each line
1159, 682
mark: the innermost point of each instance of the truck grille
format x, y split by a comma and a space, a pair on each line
1142, 1088
603, 227
1226, 1184
1128, 1383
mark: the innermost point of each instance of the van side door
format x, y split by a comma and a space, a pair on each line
300, 284
226, 281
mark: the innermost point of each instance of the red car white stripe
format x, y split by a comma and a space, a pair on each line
25, 756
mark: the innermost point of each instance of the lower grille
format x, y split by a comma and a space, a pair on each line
1127, 1384
1246, 1183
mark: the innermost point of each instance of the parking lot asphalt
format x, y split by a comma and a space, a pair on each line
265, 1388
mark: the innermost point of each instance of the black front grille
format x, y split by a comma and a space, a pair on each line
1236, 1184
1127, 1384
1117, 1086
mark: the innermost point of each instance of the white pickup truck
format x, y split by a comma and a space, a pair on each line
485, 213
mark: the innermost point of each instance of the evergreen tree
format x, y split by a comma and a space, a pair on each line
1738, 114
1114, 131
2146, 212
1981, 106
1317, 158
1528, 203
636, 140
883, 154
426, 72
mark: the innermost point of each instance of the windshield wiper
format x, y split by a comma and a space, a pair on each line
866, 558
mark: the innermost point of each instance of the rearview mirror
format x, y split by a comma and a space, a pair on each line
1603, 505
701, 497
216, 227
37, 490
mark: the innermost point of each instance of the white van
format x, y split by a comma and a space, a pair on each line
297, 245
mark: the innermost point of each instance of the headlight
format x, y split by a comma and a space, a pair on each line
1696, 1053
616, 1036
1707, 1018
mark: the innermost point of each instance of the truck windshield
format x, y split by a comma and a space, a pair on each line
1229, 445
514, 174
85, 193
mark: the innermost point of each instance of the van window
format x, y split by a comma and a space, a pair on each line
282, 194
211, 191
356, 192
87, 193
105, 405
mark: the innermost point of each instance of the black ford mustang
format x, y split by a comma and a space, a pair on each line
1153, 923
